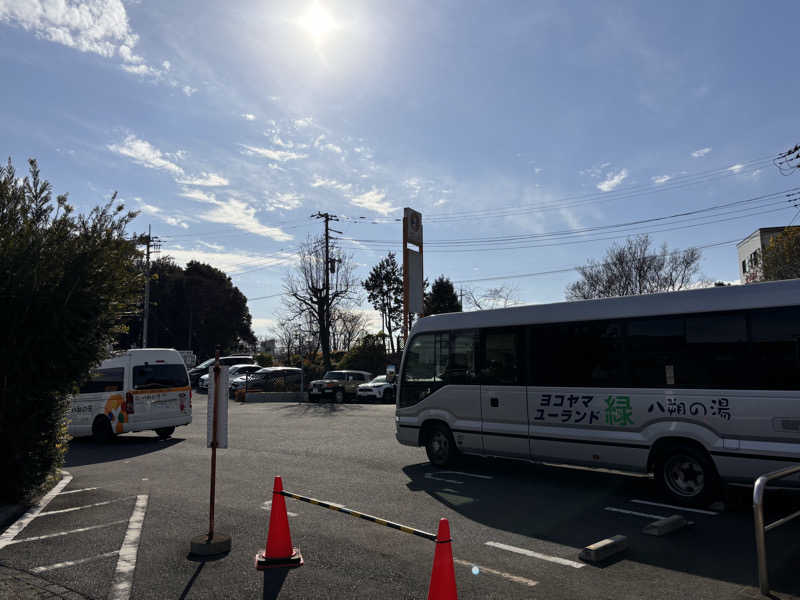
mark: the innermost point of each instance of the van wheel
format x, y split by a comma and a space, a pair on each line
339, 396
101, 429
687, 476
440, 446
164, 432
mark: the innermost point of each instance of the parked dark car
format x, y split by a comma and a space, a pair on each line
202, 368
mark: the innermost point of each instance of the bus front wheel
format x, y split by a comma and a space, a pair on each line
440, 446
687, 476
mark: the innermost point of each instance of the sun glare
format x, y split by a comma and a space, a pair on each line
317, 22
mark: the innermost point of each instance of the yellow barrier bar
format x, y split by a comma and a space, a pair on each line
360, 515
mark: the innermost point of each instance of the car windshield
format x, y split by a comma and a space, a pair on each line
379, 379
205, 364
339, 375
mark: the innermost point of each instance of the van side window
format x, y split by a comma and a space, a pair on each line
104, 380
500, 360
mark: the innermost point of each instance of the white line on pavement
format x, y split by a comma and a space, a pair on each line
434, 478
71, 563
466, 474
66, 510
123, 577
60, 533
633, 512
509, 576
697, 510
555, 559
267, 506
33, 512
76, 491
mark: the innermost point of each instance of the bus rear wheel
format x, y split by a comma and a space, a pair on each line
687, 476
440, 446
101, 429
164, 432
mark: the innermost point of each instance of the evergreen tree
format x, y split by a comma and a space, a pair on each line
442, 297
384, 288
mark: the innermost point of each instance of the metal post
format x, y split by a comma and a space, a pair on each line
405, 280
146, 318
761, 543
214, 448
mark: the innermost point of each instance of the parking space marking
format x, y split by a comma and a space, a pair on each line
33, 512
434, 478
267, 506
60, 533
554, 559
76, 491
466, 474
696, 510
126, 565
633, 512
74, 508
72, 563
504, 575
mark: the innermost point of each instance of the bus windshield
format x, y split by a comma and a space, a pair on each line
159, 376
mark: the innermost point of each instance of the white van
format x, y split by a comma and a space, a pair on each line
138, 390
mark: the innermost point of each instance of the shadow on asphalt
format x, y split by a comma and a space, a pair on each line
321, 408
273, 582
86, 451
567, 507
192, 580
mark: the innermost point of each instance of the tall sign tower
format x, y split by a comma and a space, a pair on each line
412, 267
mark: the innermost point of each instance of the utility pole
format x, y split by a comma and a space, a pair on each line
330, 267
151, 244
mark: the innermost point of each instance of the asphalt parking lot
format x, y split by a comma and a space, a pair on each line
517, 528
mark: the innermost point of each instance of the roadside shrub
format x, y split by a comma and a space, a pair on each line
368, 355
65, 282
264, 360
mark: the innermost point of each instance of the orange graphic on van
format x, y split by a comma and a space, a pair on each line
115, 411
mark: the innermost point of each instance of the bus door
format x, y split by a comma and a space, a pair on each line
504, 405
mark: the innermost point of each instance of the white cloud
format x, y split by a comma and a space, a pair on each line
332, 147
279, 142
373, 200
199, 195
242, 216
145, 154
596, 171
304, 122
414, 184
205, 179
174, 220
570, 217
279, 155
212, 246
230, 262
612, 180
263, 325
249, 116
440, 202
330, 184
702, 152
188, 90
285, 201
95, 26
166, 65
736, 168
661, 179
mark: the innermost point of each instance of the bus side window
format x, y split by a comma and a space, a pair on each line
461, 363
775, 349
500, 359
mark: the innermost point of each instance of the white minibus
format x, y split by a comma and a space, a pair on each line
134, 391
698, 387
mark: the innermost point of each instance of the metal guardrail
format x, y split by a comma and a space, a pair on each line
758, 515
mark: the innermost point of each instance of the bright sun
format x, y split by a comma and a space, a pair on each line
317, 22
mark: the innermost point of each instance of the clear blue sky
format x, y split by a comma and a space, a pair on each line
229, 123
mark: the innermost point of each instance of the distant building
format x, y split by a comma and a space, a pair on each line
268, 346
751, 252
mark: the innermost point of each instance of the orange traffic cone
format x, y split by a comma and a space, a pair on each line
443, 576
279, 551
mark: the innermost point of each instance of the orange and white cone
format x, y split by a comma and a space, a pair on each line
279, 551
443, 575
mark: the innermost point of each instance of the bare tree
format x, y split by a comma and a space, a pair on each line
498, 297
306, 298
347, 327
634, 268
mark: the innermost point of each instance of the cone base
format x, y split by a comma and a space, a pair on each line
295, 560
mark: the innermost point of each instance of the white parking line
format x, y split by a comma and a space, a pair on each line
633, 512
74, 508
434, 478
465, 474
71, 563
697, 510
60, 533
509, 576
267, 506
33, 512
554, 559
76, 491
123, 576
